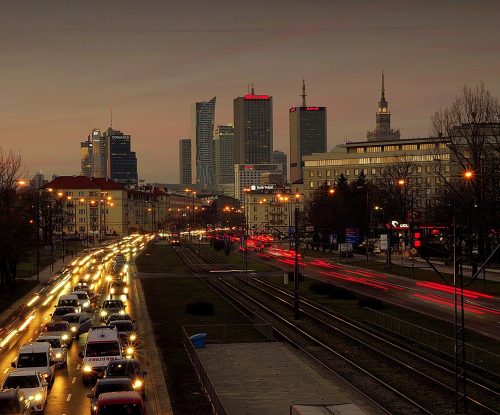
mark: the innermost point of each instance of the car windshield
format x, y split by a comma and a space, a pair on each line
113, 304
113, 387
122, 325
32, 360
53, 342
9, 407
121, 409
72, 303
21, 382
56, 327
61, 311
102, 349
117, 369
82, 296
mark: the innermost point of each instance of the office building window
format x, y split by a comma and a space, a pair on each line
419, 169
311, 173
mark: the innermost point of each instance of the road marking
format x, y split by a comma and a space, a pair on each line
6, 370
29, 341
74, 380
78, 366
68, 398
41, 324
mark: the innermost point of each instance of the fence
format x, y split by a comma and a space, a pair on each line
475, 356
221, 334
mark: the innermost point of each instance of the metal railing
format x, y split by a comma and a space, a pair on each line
221, 334
475, 356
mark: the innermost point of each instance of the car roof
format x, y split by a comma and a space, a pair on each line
123, 361
68, 297
76, 292
107, 381
109, 398
34, 347
24, 372
47, 336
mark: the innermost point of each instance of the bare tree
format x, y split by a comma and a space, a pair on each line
470, 128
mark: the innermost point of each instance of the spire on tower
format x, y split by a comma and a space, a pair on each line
111, 114
383, 88
304, 93
252, 91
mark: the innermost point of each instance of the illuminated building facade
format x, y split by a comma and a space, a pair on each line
202, 143
185, 176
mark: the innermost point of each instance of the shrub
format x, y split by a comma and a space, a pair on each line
340, 293
200, 308
321, 288
373, 303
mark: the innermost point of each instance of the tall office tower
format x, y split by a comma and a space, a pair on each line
86, 156
122, 162
185, 176
99, 154
202, 143
307, 134
224, 154
247, 176
383, 130
280, 158
253, 128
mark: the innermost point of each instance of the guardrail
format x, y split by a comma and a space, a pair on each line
475, 356
222, 334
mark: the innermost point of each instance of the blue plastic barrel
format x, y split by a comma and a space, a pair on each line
198, 340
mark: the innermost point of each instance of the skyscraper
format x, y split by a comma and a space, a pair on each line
99, 154
86, 157
202, 143
121, 162
280, 158
253, 129
383, 130
307, 134
224, 154
185, 176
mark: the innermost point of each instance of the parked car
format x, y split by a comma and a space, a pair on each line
108, 385
128, 368
32, 384
14, 402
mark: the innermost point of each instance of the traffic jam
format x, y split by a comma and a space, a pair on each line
85, 306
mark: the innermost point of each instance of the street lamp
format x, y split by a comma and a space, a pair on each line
296, 268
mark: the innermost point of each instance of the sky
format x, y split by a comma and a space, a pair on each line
65, 64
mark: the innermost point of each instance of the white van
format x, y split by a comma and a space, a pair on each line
103, 345
37, 356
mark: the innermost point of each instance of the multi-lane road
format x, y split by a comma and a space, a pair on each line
68, 394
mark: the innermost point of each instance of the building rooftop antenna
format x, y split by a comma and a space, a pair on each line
252, 91
304, 93
111, 114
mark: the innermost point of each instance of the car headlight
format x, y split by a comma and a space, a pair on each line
122, 311
112, 291
138, 384
108, 278
73, 329
87, 369
133, 337
31, 397
45, 375
103, 313
58, 355
64, 337
38, 397
130, 351
86, 304
125, 290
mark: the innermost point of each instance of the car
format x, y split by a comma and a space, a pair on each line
79, 322
127, 333
119, 317
111, 306
83, 299
117, 384
61, 329
32, 384
59, 312
14, 402
69, 301
118, 289
118, 403
58, 348
129, 368
36, 356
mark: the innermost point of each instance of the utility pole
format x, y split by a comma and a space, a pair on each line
296, 271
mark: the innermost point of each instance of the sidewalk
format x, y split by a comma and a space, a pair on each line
45, 274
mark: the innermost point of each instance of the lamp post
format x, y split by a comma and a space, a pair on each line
296, 268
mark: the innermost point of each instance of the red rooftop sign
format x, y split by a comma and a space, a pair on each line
312, 109
250, 96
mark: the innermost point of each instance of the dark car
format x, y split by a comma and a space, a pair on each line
126, 331
119, 317
127, 368
110, 307
118, 384
13, 402
62, 311
117, 288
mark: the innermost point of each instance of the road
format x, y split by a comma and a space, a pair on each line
68, 395
482, 311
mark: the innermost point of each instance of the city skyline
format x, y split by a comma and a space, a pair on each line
55, 93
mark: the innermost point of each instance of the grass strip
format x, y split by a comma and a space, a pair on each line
160, 258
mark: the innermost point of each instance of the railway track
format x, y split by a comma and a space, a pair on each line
396, 378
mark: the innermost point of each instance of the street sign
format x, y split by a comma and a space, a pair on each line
413, 251
352, 235
383, 242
